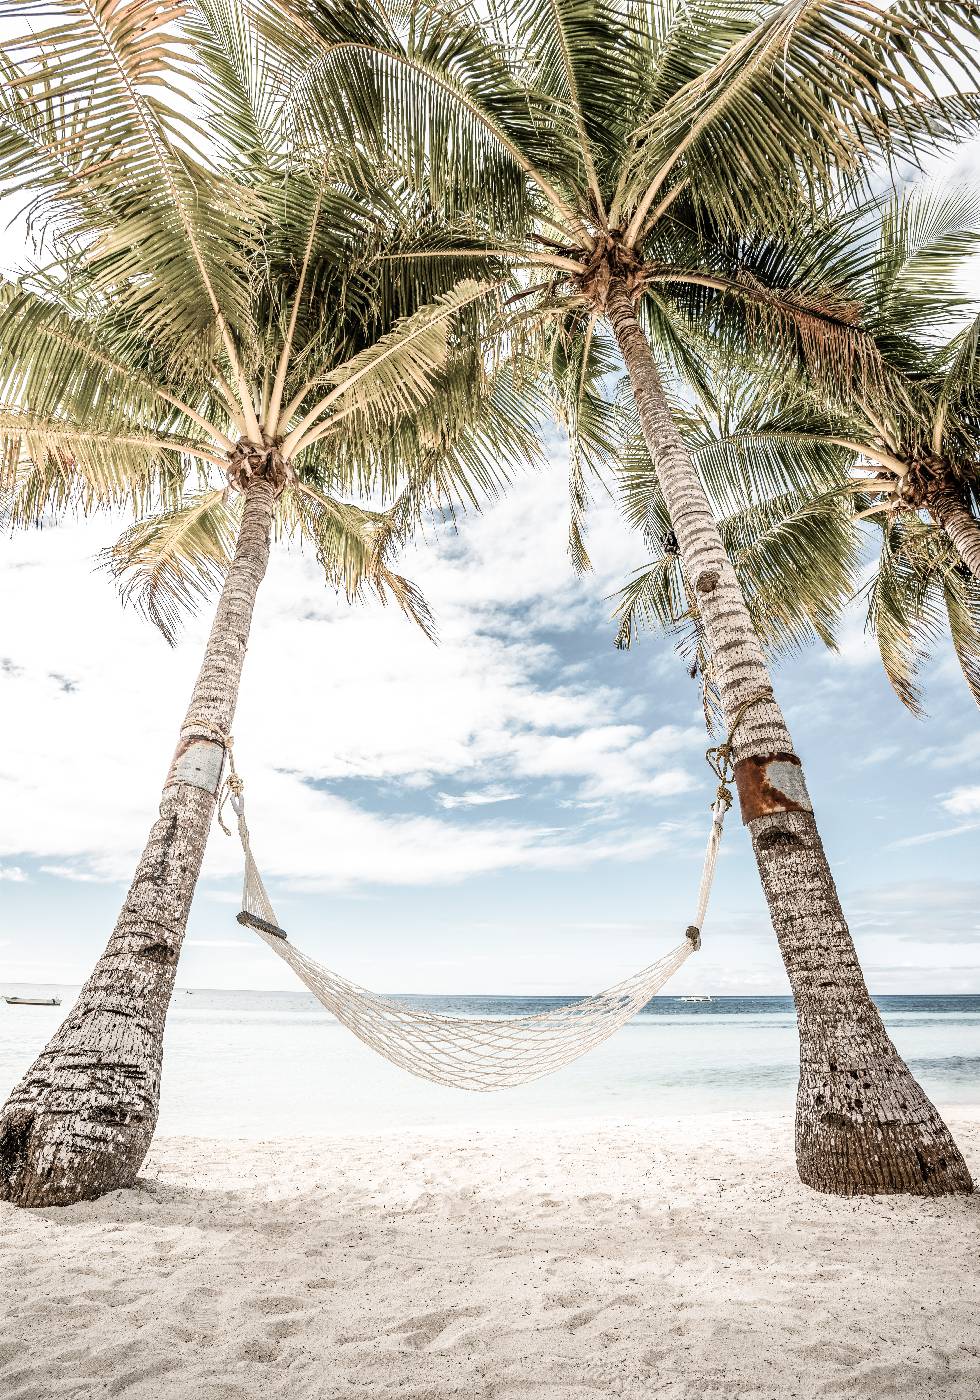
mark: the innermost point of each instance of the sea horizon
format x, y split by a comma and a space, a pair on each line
257, 1064
557, 1000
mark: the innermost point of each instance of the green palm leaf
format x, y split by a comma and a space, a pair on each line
169, 564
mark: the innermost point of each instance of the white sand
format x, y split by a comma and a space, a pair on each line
661, 1259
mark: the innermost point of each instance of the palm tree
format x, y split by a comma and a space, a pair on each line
209, 305
792, 528
618, 153
790, 466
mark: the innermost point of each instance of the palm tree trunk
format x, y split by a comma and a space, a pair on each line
951, 512
80, 1121
863, 1124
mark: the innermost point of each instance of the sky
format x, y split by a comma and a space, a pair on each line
518, 809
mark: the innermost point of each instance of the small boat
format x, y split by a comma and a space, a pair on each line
695, 998
33, 1001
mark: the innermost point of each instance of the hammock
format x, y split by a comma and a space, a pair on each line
480, 1053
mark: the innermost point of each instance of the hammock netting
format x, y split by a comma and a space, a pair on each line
481, 1053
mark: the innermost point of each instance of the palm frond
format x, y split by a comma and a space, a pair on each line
904, 614
354, 547
962, 600
389, 377
653, 599
51, 464
165, 236
807, 91
169, 564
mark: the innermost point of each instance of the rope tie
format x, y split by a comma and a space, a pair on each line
232, 789
257, 911
719, 758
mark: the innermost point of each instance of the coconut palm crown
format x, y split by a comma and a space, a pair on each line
639, 142
793, 467
208, 303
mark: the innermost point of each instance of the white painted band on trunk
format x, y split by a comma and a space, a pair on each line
199, 763
788, 779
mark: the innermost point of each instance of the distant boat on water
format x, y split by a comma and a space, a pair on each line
33, 1001
695, 998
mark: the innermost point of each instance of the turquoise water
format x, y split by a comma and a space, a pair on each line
266, 1064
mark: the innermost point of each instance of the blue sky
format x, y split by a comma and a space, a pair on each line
520, 809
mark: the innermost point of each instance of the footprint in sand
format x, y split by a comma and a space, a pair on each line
119, 1384
421, 1332
581, 1319
277, 1303
565, 1300
284, 1327
32, 1390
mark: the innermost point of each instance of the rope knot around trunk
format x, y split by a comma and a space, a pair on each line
720, 759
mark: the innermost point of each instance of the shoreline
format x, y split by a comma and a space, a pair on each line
675, 1257
690, 1126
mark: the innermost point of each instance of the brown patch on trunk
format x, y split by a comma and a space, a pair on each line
182, 746
770, 784
708, 581
774, 838
15, 1136
159, 952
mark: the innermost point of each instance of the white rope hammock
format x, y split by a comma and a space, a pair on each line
481, 1053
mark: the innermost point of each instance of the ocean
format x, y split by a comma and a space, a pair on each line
271, 1064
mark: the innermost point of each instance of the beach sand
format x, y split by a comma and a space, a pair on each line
676, 1258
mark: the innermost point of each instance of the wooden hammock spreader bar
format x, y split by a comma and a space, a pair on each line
263, 925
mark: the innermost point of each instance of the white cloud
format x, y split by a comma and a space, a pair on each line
926, 838
963, 753
312, 840
611, 760
332, 694
963, 801
476, 797
855, 648
12, 873
79, 873
880, 754
924, 912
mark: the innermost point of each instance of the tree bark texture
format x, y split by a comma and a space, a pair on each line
950, 510
80, 1121
863, 1124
